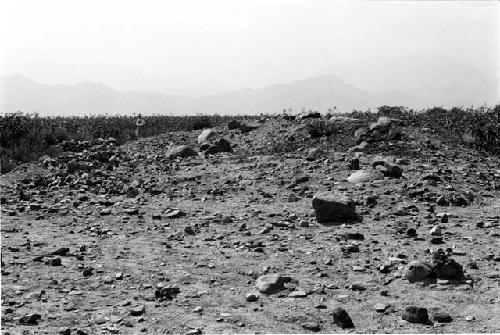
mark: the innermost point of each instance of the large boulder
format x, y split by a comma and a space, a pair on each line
181, 151
269, 284
341, 318
445, 267
333, 207
414, 314
206, 135
364, 176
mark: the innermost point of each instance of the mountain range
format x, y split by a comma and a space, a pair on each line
19, 93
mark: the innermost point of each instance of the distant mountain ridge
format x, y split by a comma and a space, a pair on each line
19, 93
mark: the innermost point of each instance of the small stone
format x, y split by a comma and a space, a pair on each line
87, 272
469, 318
138, 310
269, 284
189, 230
442, 317
61, 252
341, 318
198, 309
304, 223
56, 262
119, 275
437, 240
299, 293
227, 219
414, 314
105, 211
108, 280
380, 307
358, 287
251, 297
411, 232
435, 231
312, 326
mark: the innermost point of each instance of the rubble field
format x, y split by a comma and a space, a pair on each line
270, 227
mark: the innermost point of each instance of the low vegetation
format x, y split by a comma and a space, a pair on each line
26, 137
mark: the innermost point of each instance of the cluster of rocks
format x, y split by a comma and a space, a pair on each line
119, 206
441, 267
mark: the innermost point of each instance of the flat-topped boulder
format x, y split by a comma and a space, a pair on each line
333, 207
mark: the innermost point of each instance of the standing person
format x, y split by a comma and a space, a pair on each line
139, 123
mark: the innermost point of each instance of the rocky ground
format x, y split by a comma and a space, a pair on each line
216, 232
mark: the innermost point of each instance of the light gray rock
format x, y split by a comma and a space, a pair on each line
364, 176
206, 135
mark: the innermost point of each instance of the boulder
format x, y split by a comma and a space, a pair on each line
417, 271
363, 176
269, 284
414, 314
333, 207
341, 318
206, 135
445, 267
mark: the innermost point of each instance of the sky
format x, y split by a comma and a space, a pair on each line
198, 47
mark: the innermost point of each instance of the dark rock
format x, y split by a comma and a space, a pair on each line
442, 317
341, 318
167, 292
353, 164
138, 310
30, 320
221, 145
251, 297
415, 314
333, 207
417, 271
87, 272
55, 262
61, 252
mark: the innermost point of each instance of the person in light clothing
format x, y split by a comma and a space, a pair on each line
139, 123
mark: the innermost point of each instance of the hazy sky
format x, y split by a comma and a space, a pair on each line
202, 47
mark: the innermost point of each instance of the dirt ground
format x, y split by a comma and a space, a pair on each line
210, 226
